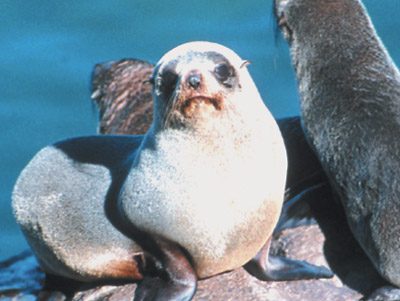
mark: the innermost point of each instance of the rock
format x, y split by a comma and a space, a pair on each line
22, 279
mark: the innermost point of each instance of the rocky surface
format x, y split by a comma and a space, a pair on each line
22, 279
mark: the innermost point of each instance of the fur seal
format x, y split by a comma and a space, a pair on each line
350, 106
119, 88
198, 195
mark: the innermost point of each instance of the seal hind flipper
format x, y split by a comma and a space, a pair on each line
122, 94
175, 278
267, 267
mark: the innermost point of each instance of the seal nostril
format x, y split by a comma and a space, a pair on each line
194, 80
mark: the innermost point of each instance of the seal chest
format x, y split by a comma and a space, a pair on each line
211, 171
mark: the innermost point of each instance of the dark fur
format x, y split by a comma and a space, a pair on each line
350, 105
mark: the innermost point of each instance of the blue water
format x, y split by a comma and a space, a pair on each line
48, 49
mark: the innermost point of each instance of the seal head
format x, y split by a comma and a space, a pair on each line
195, 82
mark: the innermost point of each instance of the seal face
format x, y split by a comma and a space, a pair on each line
212, 167
190, 83
350, 92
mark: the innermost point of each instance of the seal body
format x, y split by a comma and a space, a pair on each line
224, 157
350, 105
220, 201
207, 178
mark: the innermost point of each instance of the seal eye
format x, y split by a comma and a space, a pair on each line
224, 73
168, 82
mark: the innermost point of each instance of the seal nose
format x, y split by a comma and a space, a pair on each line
194, 80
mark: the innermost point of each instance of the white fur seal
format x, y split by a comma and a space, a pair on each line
199, 194
350, 105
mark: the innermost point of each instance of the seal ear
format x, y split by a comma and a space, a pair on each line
122, 93
244, 64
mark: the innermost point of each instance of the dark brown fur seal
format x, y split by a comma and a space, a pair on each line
120, 87
157, 189
350, 105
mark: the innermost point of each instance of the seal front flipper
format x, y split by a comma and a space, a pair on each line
276, 268
175, 278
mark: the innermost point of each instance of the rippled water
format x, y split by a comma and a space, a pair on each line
48, 49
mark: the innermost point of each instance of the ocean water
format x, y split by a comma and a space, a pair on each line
48, 49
